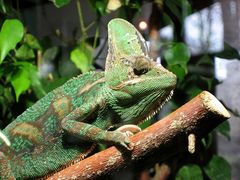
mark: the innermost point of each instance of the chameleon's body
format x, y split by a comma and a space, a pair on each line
58, 129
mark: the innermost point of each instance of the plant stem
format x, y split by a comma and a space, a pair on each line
12, 58
82, 27
3, 6
96, 37
90, 25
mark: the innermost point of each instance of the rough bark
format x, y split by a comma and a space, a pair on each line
159, 141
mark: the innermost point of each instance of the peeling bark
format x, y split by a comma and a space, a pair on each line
158, 142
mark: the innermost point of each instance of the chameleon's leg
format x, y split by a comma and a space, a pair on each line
5, 168
89, 132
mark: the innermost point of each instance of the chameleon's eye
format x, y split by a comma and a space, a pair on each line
140, 72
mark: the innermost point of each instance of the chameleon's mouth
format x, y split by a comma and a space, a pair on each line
157, 108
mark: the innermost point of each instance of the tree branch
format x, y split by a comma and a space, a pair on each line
158, 142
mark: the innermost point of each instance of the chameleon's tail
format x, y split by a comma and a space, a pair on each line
4, 138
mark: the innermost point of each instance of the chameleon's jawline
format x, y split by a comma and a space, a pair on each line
156, 109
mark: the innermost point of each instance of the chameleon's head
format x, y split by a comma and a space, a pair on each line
139, 85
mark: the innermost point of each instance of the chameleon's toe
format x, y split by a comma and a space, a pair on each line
120, 138
129, 129
128, 133
127, 144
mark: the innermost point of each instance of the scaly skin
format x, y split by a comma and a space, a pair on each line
62, 126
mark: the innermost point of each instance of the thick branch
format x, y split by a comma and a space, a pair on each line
162, 139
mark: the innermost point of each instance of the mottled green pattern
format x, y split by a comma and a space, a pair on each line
19, 144
38, 157
61, 127
125, 36
50, 125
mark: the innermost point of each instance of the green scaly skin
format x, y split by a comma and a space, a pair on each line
61, 126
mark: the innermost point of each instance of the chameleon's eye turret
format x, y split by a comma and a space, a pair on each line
140, 72
125, 43
138, 84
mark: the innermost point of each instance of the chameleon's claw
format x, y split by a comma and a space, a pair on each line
128, 131
127, 144
120, 138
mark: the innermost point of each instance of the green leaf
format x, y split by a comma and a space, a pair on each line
82, 58
49, 86
173, 6
113, 5
224, 129
228, 52
60, 3
20, 82
193, 90
37, 85
1, 89
126, 2
11, 33
32, 41
25, 52
208, 81
178, 70
50, 54
101, 6
218, 168
3, 7
207, 141
205, 60
34, 78
189, 172
177, 54
25, 75
8, 95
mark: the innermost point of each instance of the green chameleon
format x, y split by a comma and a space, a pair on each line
61, 128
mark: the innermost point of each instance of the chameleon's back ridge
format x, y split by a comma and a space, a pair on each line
65, 125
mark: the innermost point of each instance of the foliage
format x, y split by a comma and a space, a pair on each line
9, 38
22, 56
81, 56
218, 168
60, 3
17, 72
189, 172
177, 56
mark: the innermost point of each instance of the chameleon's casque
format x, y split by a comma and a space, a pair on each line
62, 127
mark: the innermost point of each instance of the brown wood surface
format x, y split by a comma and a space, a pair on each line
158, 142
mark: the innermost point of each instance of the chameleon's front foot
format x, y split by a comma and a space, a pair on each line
92, 133
119, 138
122, 134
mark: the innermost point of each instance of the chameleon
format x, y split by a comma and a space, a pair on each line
63, 126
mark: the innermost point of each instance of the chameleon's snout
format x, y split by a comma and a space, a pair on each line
168, 80
173, 78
